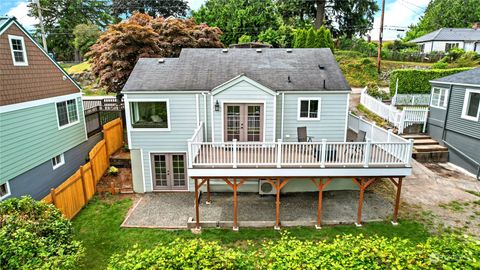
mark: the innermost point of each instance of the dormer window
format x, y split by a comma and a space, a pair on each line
19, 52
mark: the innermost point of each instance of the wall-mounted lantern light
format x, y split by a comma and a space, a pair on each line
217, 106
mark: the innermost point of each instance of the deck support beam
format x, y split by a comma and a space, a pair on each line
209, 201
320, 186
362, 185
235, 185
398, 185
197, 201
278, 184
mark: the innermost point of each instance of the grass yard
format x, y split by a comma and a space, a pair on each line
98, 227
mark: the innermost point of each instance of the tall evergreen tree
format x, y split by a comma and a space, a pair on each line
312, 39
321, 42
329, 40
300, 38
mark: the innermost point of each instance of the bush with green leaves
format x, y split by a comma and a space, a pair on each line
343, 252
440, 65
245, 39
416, 81
35, 235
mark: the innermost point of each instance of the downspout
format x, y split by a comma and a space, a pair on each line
283, 113
205, 131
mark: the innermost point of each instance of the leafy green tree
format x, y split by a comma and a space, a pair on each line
154, 8
312, 39
60, 18
35, 235
270, 36
346, 17
85, 36
300, 38
281, 38
245, 39
117, 50
238, 17
446, 13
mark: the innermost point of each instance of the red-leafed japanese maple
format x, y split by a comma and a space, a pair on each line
117, 50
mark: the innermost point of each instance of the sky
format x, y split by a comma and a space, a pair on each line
398, 14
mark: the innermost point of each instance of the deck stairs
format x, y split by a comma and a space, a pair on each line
426, 149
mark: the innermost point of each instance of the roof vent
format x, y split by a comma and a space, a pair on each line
321, 67
324, 85
161, 61
224, 50
289, 50
259, 50
289, 80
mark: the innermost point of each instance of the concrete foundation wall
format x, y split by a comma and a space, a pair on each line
137, 170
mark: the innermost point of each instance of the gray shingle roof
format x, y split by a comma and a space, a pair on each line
205, 69
451, 34
471, 76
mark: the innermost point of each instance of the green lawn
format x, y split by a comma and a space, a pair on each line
98, 227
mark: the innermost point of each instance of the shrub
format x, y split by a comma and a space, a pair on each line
35, 235
300, 38
440, 65
112, 171
344, 252
468, 59
191, 254
245, 39
374, 91
417, 81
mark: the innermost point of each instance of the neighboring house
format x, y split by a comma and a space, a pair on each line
445, 39
42, 129
454, 117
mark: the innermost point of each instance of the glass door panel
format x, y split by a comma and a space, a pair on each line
160, 175
178, 171
233, 122
254, 123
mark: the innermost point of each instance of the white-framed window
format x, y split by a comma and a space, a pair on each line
449, 46
4, 190
471, 105
150, 115
19, 51
58, 161
308, 109
67, 113
439, 98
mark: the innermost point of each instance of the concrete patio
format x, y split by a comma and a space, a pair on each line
176, 210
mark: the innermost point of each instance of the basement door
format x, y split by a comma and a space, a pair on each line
169, 171
243, 122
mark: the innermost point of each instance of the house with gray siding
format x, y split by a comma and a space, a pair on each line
42, 129
251, 120
454, 117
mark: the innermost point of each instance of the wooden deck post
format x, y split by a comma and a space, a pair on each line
197, 210
209, 201
397, 200
320, 186
362, 185
235, 226
277, 205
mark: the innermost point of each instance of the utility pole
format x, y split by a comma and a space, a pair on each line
379, 56
42, 28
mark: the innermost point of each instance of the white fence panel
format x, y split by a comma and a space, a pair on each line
411, 99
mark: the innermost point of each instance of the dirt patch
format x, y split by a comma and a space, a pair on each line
120, 183
440, 196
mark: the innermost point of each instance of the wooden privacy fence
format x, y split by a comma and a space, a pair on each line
75, 192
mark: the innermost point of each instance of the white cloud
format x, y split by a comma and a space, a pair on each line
21, 13
401, 13
195, 4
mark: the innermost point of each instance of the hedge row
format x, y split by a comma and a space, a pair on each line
415, 81
344, 252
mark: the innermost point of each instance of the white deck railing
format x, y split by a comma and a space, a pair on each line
411, 99
398, 118
382, 148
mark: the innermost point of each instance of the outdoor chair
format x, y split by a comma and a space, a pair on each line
302, 135
361, 136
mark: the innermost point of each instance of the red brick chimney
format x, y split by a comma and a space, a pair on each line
476, 25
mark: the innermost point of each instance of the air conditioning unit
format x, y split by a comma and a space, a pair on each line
266, 188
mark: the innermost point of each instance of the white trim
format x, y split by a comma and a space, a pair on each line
454, 83
159, 92
346, 117
38, 102
315, 92
197, 110
46, 54
9, 192
60, 164
82, 109
151, 100
222, 105
274, 119
445, 100
24, 50
205, 130
300, 99
283, 115
212, 124
241, 78
68, 115
143, 171
126, 102
7, 26
466, 101
301, 172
